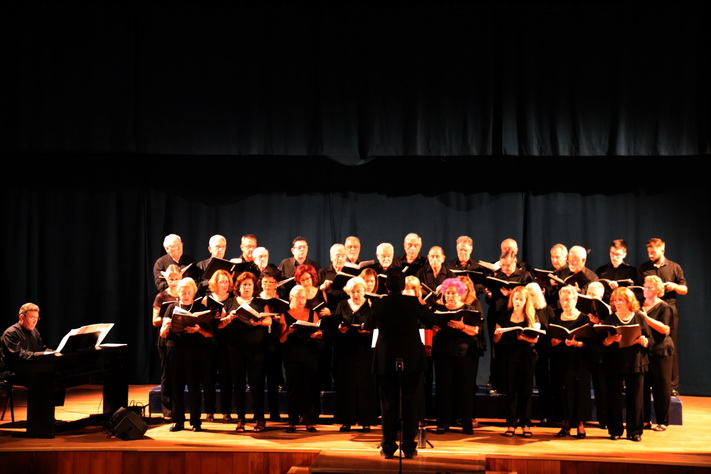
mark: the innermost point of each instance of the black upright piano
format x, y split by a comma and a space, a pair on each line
47, 375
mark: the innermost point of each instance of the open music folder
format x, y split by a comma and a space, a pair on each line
84, 337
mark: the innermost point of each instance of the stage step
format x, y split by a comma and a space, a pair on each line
338, 461
487, 405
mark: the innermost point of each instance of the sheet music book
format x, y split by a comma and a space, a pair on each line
246, 313
543, 277
556, 331
528, 332
594, 306
467, 316
355, 269
479, 278
629, 332
84, 337
182, 318
497, 283
217, 264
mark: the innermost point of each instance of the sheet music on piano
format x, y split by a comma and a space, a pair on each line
100, 330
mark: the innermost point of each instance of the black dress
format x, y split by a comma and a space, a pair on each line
456, 363
658, 380
356, 394
189, 359
625, 369
301, 356
518, 359
247, 346
162, 300
570, 364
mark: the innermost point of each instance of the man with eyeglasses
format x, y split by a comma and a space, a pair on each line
617, 272
22, 340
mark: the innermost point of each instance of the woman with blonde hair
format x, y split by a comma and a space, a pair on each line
356, 393
519, 358
570, 364
658, 380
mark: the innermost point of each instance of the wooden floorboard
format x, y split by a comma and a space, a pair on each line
682, 448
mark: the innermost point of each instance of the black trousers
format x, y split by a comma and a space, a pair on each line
658, 383
634, 403
392, 388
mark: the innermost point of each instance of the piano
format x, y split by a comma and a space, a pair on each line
46, 375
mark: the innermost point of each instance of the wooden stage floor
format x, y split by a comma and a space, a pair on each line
685, 448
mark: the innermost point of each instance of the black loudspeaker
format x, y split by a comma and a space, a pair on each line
126, 424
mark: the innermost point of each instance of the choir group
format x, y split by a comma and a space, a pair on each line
252, 328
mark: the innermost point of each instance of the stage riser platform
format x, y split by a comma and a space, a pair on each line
487, 405
221, 462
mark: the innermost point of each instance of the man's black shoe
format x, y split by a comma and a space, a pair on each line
411, 454
386, 455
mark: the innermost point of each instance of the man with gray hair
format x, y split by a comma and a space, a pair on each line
21, 341
174, 256
412, 261
384, 254
217, 246
576, 273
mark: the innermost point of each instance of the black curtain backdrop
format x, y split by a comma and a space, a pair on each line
547, 121
359, 80
81, 235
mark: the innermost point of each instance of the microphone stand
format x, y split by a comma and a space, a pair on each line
399, 369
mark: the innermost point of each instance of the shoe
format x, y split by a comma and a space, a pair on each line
240, 426
636, 438
210, 418
647, 426
659, 428
386, 455
177, 427
614, 437
311, 429
260, 426
602, 426
563, 433
410, 454
527, 432
227, 417
291, 429
468, 429
197, 428
345, 428
580, 431
675, 393
366, 429
475, 424
509, 432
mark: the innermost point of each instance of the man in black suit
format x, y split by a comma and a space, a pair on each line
399, 363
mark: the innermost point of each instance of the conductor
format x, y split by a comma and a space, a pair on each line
399, 363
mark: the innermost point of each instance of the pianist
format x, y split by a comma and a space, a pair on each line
22, 340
